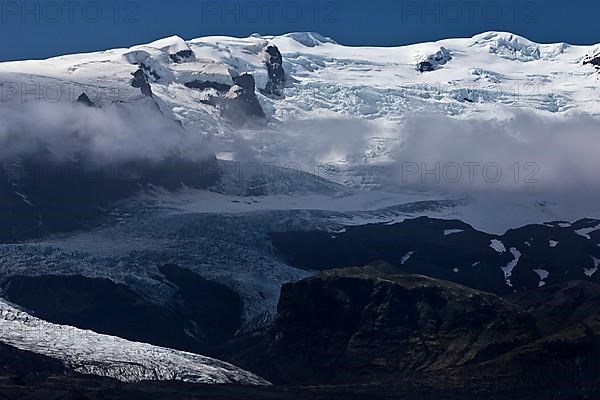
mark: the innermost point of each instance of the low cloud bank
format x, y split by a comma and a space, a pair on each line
115, 133
528, 152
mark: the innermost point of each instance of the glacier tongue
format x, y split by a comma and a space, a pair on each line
88, 352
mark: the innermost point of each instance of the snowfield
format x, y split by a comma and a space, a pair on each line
487, 69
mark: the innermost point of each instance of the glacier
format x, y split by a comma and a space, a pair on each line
87, 352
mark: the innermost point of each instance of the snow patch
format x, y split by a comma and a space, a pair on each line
448, 232
542, 273
498, 246
508, 269
24, 198
585, 232
591, 271
406, 257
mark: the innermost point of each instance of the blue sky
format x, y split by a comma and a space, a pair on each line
40, 29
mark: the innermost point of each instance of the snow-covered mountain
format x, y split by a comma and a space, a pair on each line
346, 113
457, 76
311, 135
90, 353
308, 76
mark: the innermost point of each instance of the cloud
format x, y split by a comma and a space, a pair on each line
114, 133
523, 157
527, 152
524, 153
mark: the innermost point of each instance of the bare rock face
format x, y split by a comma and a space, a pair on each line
434, 61
140, 81
204, 85
182, 56
352, 325
277, 79
240, 103
593, 60
85, 100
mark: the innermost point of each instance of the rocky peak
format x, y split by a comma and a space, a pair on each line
277, 79
85, 100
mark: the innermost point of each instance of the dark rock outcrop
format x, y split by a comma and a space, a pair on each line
85, 100
214, 308
140, 81
203, 85
360, 324
150, 73
434, 61
425, 66
275, 71
182, 56
240, 104
593, 60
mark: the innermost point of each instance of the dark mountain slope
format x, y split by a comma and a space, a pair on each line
360, 324
521, 259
